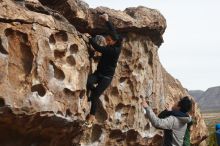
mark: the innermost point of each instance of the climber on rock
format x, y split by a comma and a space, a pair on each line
171, 111
110, 50
174, 123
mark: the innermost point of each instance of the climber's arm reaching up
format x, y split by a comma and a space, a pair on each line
101, 49
96, 46
111, 29
166, 123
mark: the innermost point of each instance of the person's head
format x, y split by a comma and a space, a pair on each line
110, 40
185, 104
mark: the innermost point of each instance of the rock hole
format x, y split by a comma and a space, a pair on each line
150, 59
157, 140
131, 135
115, 91
2, 49
147, 126
68, 92
74, 49
136, 98
2, 101
106, 98
61, 36
127, 53
71, 60
58, 73
96, 133
52, 39
27, 58
130, 115
68, 112
140, 67
122, 79
110, 119
82, 93
59, 53
126, 67
39, 88
119, 107
23, 37
9, 32
20, 49
101, 114
127, 113
116, 134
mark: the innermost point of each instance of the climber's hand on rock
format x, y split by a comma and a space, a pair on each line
104, 17
169, 106
144, 103
88, 35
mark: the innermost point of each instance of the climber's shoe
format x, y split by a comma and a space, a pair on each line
90, 119
87, 124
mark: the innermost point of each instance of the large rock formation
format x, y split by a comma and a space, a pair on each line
208, 100
196, 94
44, 66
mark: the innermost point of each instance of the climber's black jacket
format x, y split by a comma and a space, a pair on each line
110, 54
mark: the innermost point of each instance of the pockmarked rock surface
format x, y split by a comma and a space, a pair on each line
44, 65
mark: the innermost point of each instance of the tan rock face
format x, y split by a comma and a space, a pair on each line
44, 65
140, 20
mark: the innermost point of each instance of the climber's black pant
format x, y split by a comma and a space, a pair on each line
102, 83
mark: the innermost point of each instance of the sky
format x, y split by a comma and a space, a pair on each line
191, 48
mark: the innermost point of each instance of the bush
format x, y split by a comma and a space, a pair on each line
212, 137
